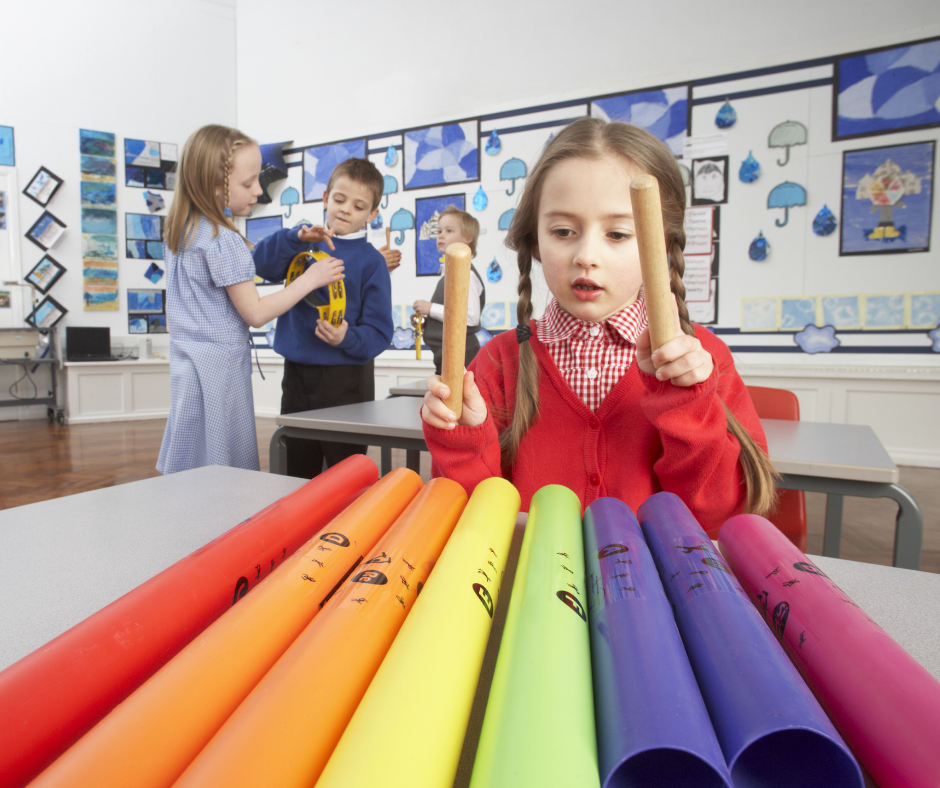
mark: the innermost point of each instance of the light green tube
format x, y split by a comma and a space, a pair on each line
539, 723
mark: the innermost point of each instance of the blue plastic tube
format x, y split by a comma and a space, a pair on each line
771, 728
652, 725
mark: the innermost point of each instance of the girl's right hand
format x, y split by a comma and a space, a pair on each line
437, 414
322, 272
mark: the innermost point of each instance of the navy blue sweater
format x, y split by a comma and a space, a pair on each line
368, 300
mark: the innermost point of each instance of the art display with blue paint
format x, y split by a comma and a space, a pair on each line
403, 339
149, 164
925, 310
786, 195
319, 161
427, 213
390, 187
96, 143
887, 90
884, 311
95, 273
7, 147
841, 311
136, 177
493, 315
289, 197
145, 302
664, 113
156, 324
797, 313
391, 156
493, 271
505, 219
154, 273
141, 153
480, 200
934, 340
261, 227
786, 135
273, 168
824, 222
103, 298
376, 223
155, 201
887, 194
143, 227
759, 314
136, 325
493, 144
144, 250
726, 116
402, 220
813, 339
511, 171
99, 220
749, 171
442, 155
98, 168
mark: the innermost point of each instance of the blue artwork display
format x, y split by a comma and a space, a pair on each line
145, 250
786, 195
841, 311
402, 220
98, 168
494, 315
149, 164
759, 314
925, 310
505, 219
96, 143
786, 135
142, 227
886, 90
390, 187
442, 155
749, 170
427, 213
7, 147
155, 201
376, 223
934, 340
493, 272
510, 171
156, 324
137, 325
664, 113
145, 302
100, 247
726, 116
142, 153
289, 197
262, 227
493, 144
884, 311
99, 220
887, 199
320, 161
825, 222
813, 339
391, 156
797, 313
480, 200
154, 273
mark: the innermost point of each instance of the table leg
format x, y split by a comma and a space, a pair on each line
277, 453
413, 460
386, 459
832, 536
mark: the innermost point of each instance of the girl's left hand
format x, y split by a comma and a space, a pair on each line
331, 334
314, 234
682, 361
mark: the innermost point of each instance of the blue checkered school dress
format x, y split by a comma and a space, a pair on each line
212, 415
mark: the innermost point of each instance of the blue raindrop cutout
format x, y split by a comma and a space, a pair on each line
376, 223
750, 169
480, 200
825, 222
726, 116
494, 273
391, 156
493, 144
759, 248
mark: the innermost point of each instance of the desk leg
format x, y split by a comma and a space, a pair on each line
413, 460
386, 459
909, 531
832, 536
277, 453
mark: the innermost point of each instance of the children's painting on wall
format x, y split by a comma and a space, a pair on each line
887, 199
99, 195
442, 155
149, 164
321, 160
710, 181
887, 90
7, 150
664, 113
427, 211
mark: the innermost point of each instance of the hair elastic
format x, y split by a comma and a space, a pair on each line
523, 333
228, 212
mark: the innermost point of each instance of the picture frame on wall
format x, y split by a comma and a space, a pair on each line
45, 274
43, 186
47, 313
442, 155
146, 302
427, 213
664, 112
710, 180
46, 231
886, 90
319, 161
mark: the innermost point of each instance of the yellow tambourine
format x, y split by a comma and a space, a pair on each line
332, 312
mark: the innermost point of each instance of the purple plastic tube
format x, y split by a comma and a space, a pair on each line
771, 728
652, 725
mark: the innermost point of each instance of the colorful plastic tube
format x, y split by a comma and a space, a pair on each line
410, 725
285, 730
51, 697
772, 730
881, 699
652, 725
539, 722
150, 738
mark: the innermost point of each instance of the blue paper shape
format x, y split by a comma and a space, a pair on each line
505, 219
935, 339
440, 155
786, 195
750, 169
154, 273
841, 311
493, 272
885, 311
403, 339
391, 156
402, 220
510, 171
155, 202
759, 248
813, 339
797, 313
319, 162
480, 200
663, 113
494, 315
825, 222
390, 186
493, 145
726, 116
925, 310
289, 197
785, 135
376, 223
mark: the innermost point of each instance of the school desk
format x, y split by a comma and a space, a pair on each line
836, 459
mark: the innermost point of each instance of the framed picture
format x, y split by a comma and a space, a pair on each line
47, 313
99, 220
319, 161
663, 112
710, 181
96, 143
143, 227
427, 213
887, 199
262, 226
150, 165
43, 186
882, 91
7, 148
46, 231
442, 155
45, 274
144, 250
136, 325
156, 324
98, 195
145, 302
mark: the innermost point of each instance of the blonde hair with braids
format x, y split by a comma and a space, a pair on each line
204, 167
593, 138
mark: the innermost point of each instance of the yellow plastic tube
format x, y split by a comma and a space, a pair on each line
149, 739
286, 729
409, 727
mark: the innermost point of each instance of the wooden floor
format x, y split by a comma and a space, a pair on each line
39, 461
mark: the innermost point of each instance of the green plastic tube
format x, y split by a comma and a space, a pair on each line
539, 722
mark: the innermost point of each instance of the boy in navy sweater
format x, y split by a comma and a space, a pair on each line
325, 365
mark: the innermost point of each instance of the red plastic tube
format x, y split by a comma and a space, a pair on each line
884, 703
51, 697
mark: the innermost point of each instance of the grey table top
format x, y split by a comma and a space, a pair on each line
809, 448
416, 389
67, 558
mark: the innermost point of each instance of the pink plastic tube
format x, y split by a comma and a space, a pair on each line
884, 703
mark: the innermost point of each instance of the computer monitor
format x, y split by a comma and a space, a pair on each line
83, 343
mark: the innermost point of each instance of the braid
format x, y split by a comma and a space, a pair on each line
227, 170
676, 270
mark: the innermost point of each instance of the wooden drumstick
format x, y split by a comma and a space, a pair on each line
654, 260
388, 237
456, 296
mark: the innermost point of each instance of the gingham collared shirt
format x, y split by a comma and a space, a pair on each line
592, 357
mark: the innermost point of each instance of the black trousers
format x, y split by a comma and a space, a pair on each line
470, 351
314, 386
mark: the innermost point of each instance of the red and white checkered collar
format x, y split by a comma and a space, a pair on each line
556, 325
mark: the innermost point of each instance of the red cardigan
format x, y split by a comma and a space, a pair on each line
647, 436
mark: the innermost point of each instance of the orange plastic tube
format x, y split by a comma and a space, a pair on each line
285, 731
150, 738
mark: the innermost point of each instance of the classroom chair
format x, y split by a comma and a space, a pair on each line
790, 513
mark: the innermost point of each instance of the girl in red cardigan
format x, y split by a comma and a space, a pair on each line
575, 397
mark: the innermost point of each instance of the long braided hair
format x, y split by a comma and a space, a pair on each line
205, 167
593, 138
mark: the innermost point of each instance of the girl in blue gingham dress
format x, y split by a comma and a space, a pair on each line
212, 300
